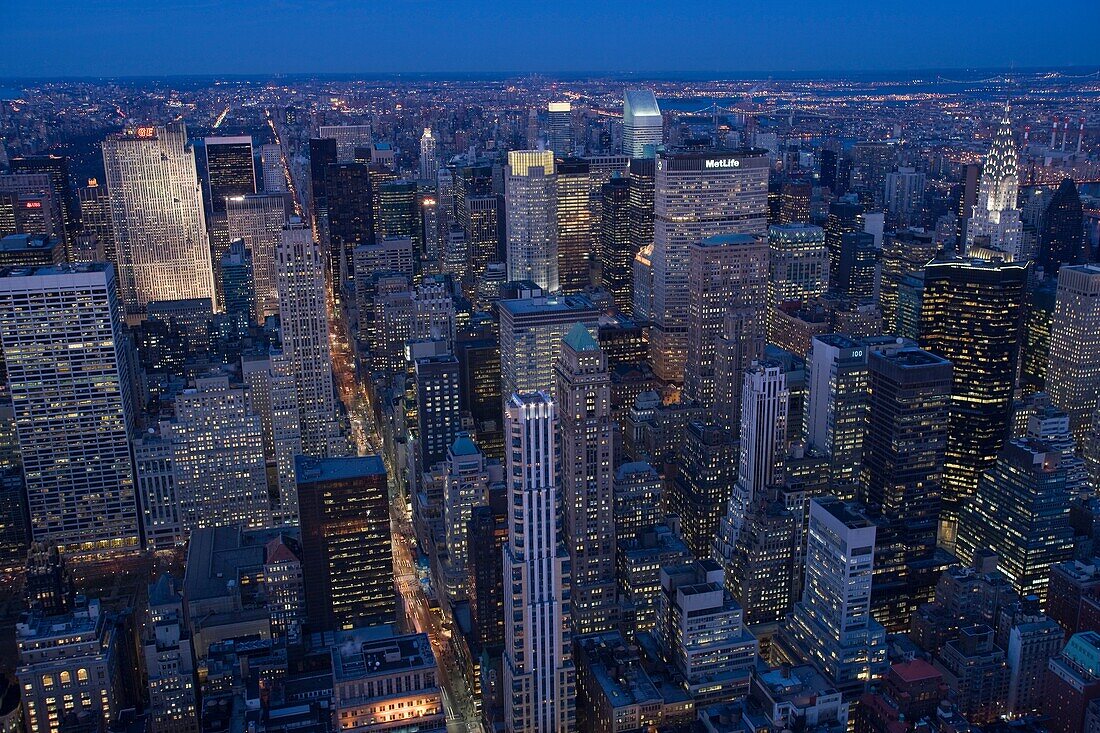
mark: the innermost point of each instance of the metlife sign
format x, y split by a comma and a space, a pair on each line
721, 163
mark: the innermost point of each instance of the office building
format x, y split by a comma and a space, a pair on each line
347, 557
905, 189
697, 195
1032, 640
994, 221
854, 276
974, 669
169, 662
157, 216
531, 333
1020, 512
484, 215
322, 153
1073, 683
576, 228
843, 218
794, 202
643, 126
71, 669
1073, 371
273, 171
66, 355
383, 681
531, 198
637, 493
798, 263
1061, 237
56, 167
836, 408
702, 484
725, 272
559, 129
429, 155
904, 253
349, 218
538, 654
95, 218
304, 319
437, 411
31, 250
238, 286
740, 344
584, 418
764, 409
971, 315
831, 627
616, 250
259, 220
347, 138
467, 489
230, 170
701, 630
642, 174
614, 687
640, 559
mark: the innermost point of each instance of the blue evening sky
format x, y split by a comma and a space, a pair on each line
139, 37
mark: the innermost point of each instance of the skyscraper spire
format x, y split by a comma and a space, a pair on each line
994, 223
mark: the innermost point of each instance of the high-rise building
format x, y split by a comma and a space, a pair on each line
971, 315
836, 408
272, 168
437, 412
725, 272
794, 202
304, 320
322, 153
57, 168
158, 218
487, 533
700, 490
169, 662
764, 408
831, 627
1061, 238
904, 200
698, 195
429, 155
844, 217
902, 474
538, 653
994, 221
230, 170
643, 126
467, 488
347, 556
69, 380
1021, 513
559, 129
347, 138
95, 217
584, 414
238, 285
259, 220
531, 199
741, 343
576, 229
903, 253
642, 175
616, 250
798, 263
854, 277
1073, 371
531, 332
349, 218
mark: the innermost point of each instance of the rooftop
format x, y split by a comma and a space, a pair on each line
376, 650
312, 470
21, 242
727, 240
579, 339
547, 304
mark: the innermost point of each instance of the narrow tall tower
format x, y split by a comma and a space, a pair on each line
429, 157
995, 220
531, 205
584, 397
538, 654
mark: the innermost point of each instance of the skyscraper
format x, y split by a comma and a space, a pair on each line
995, 221
530, 194
157, 215
467, 488
836, 409
902, 475
584, 408
559, 129
238, 285
95, 217
66, 355
57, 168
1061, 238
831, 626
437, 413
531, 332
725, 272
1073, 372
347, 139
616, 250
350, 217
903, 253
230, 170
1020, 512
764, 408
843, 218
271, 164
304, 321
538, 653
429, 157
698, 195
259, 220
576, 230
347, 556
643, 126
798, 263
971, 315
701, 487
854, 277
